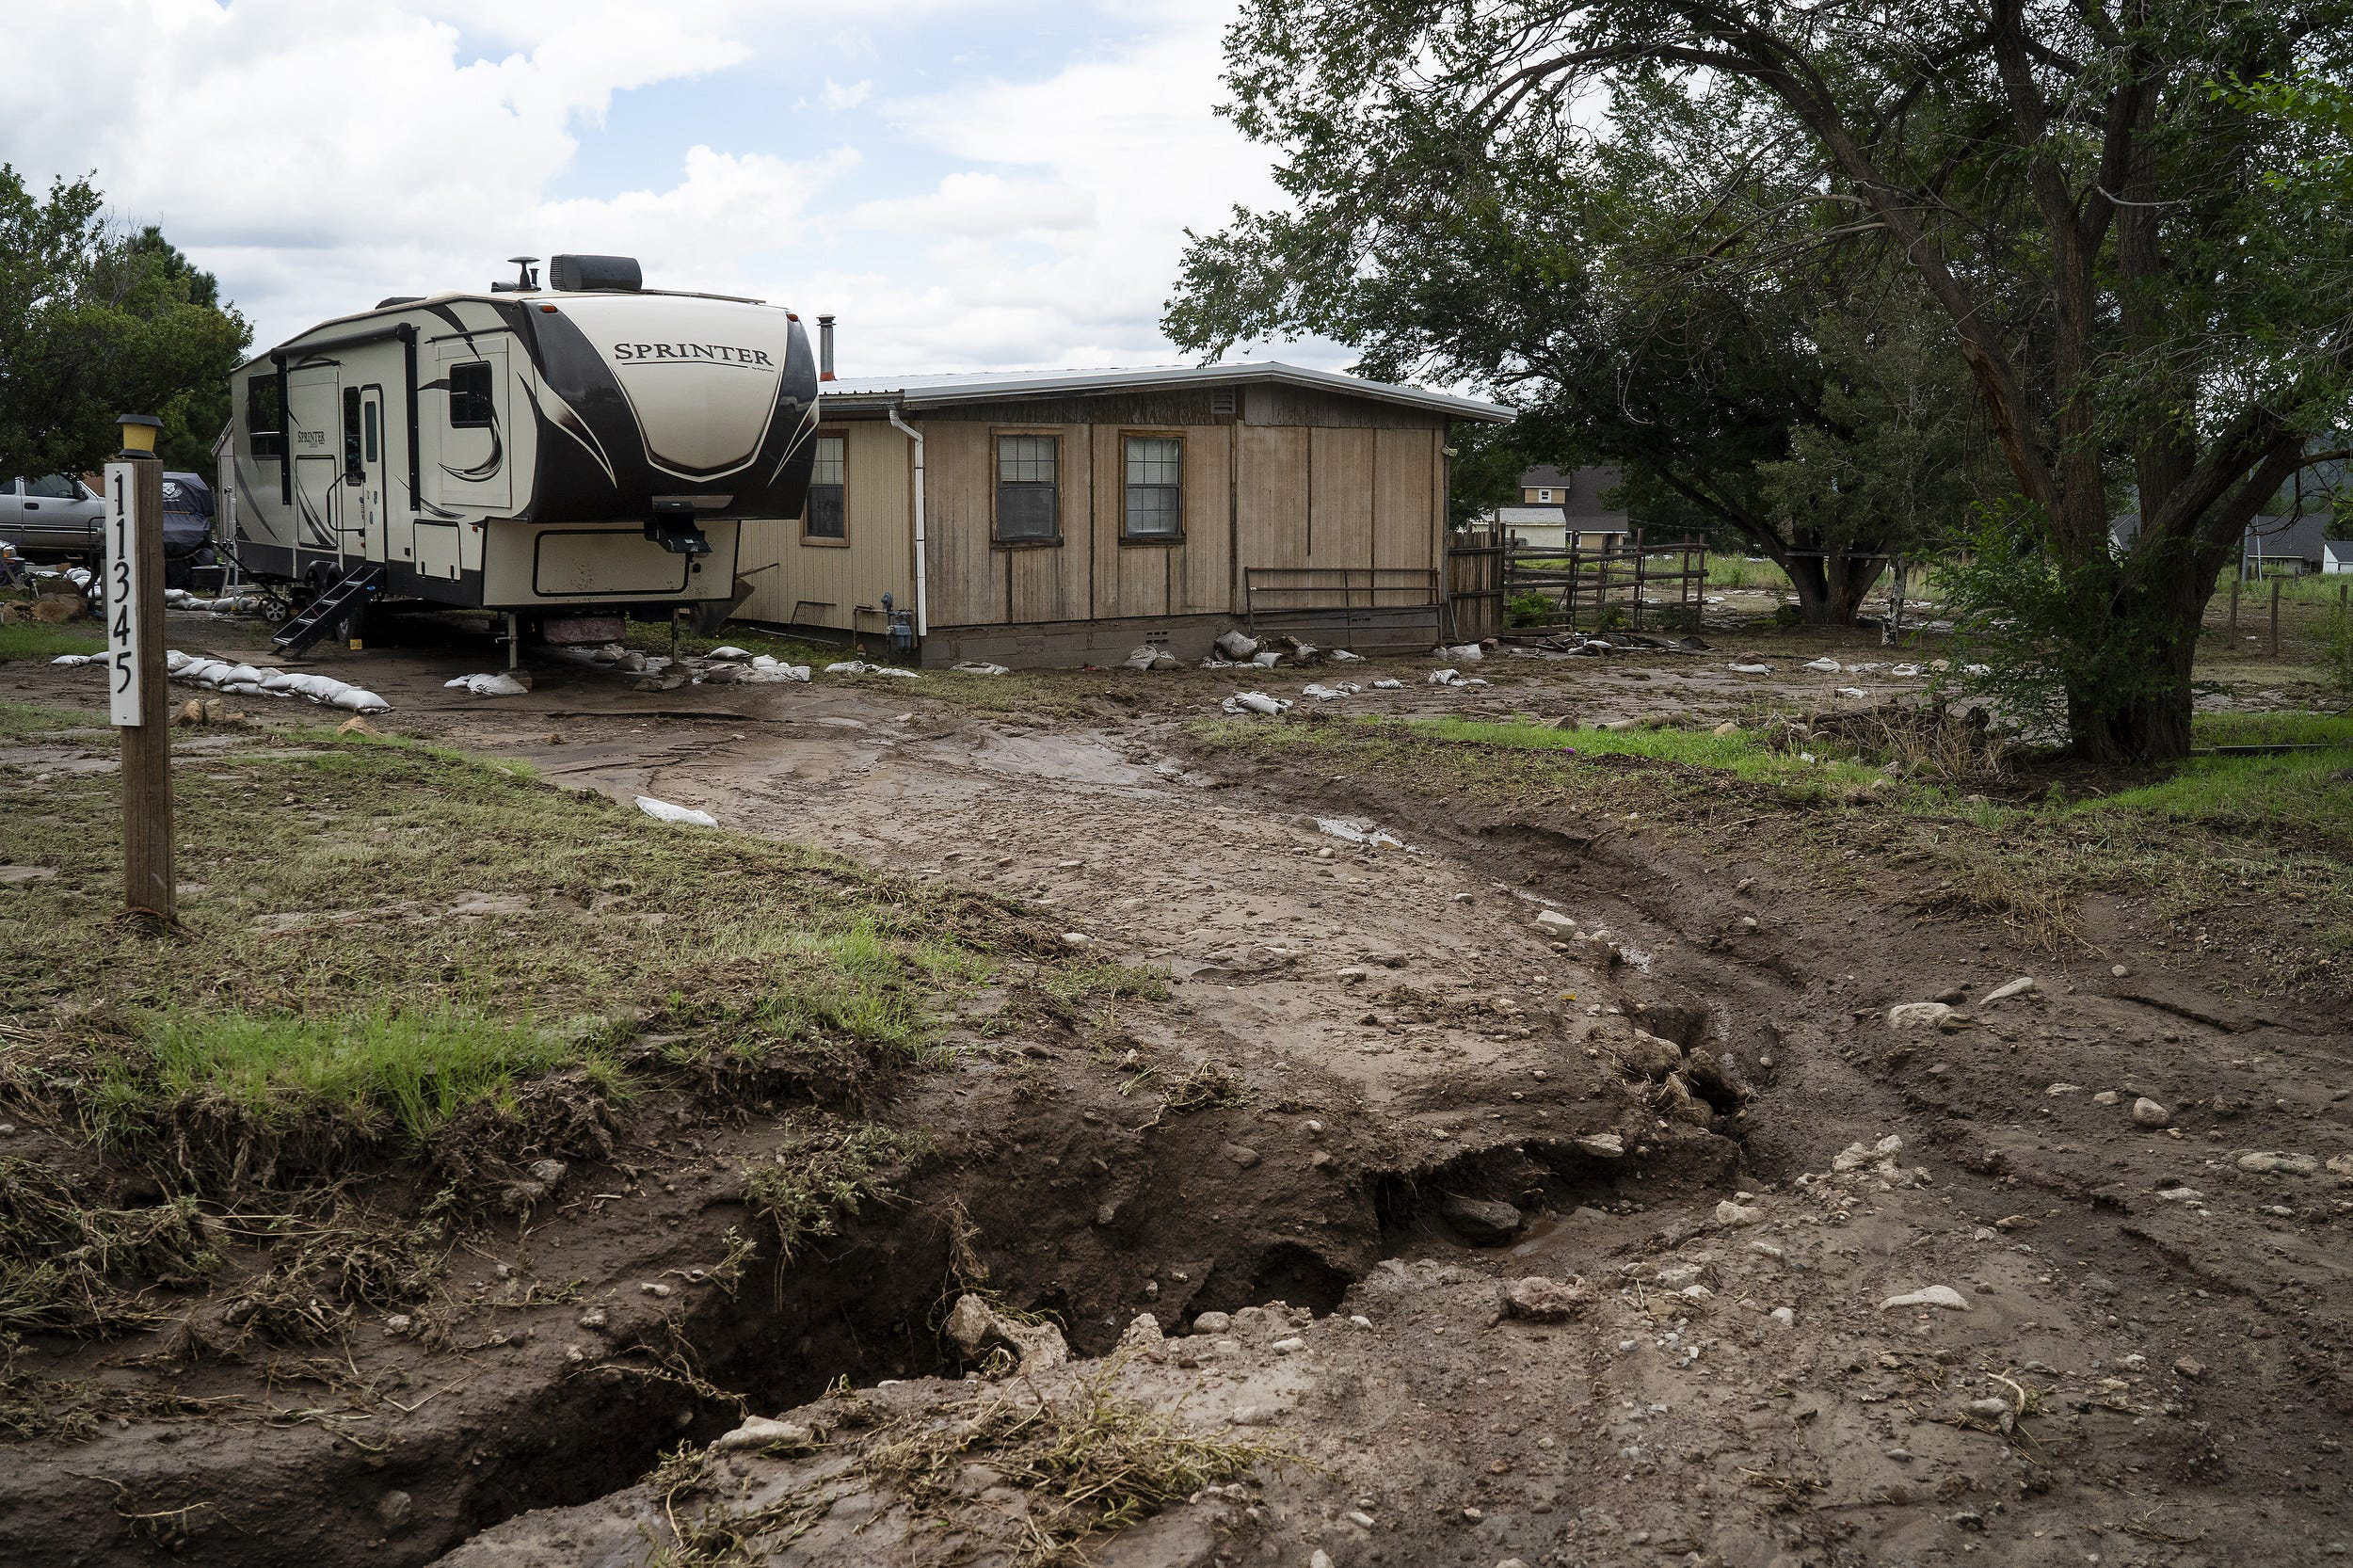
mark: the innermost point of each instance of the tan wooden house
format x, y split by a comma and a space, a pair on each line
1068, 517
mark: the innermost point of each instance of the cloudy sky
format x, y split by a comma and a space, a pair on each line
967, 183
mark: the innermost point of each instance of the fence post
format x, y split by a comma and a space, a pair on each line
141, 704
2275, 617
2234, 610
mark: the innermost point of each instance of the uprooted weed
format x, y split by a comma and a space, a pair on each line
825, 1171
68, 1265
1092, 1463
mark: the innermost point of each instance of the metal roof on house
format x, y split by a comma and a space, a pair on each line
917, 391
2272, 536
1554, 517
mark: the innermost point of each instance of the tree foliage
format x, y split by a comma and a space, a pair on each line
96, 321
2119, 238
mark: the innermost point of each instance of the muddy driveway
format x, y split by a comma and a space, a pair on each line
2041, 1274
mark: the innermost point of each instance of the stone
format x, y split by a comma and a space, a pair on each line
2148, 1113
1648, 1055
1992, 1409
1942, 1296
2285, 1164
1917, 1015
1601, 1145
394, 1511
1212, 1322
1730, 1213
1359, 1518
1540, 1300
549, 1172
2008, 988
1552, 919
2180, 1194
761, 1432
2190, 1369
2106, 1096
1142, 1333
1290, 1346
972, 1324
1242, 1154
1784, 1316
1856, 1156
1481, 1221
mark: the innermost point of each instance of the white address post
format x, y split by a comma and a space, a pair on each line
136, 695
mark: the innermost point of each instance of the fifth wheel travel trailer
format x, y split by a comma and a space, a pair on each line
585, 449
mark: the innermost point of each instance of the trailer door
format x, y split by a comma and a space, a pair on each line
316, 410
363, 469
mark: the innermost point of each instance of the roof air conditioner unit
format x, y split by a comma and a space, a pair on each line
580, 274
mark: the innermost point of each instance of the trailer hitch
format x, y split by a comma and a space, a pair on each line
672, 527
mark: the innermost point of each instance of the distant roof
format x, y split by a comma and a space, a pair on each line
915, 392
2279, 536
1544, 477
1553, 516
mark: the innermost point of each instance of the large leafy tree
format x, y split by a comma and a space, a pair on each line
2099, 199
96, 321
1665, 292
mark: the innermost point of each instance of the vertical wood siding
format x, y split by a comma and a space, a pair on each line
823, 584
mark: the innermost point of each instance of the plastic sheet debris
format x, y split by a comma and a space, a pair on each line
1322, 693
1852, 691
1388, 683
686, 815
1908, 671
731, 654
979, 666
79, 659
1464, 653
1826, 665
1751, 669
497, 685
1256, 702
1342, 653
1360, 833
1454, 678
856, 666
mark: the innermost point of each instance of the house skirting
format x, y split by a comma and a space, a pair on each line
1068, 644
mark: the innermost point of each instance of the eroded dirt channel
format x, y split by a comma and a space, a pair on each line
1513, 1049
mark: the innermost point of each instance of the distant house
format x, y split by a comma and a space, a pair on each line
2336, 555
2293, 542
1561, 509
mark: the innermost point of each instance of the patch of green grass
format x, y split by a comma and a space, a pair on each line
330, 879
35, 640
2298, 796
1735, 571
412, 1069
42, 718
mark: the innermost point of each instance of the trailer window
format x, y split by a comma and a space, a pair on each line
367, 424
265, 423
470, 395
829, 490
1027, 477
1156, 495
351, 434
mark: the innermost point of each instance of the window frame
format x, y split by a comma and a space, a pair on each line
828, 541
273, 433
1149, 540
995, 488
489, 395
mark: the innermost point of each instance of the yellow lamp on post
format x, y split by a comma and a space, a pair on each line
138, 434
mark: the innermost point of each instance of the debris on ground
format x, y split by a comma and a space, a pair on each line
501, 683
979, 666
665, 812
1751, 669
1322, 693
1454, 678
1147, 657
1235, 645
858, 666
1257, 702
1360, 833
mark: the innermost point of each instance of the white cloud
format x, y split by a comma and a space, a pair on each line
319, 154
836, 98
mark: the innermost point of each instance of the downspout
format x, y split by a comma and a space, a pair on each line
922, 573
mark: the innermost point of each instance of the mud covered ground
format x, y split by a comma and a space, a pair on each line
1654, 1068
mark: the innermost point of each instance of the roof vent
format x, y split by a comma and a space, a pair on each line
1222, 401
580, 274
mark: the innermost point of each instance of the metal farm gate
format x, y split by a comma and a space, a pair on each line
1546, 590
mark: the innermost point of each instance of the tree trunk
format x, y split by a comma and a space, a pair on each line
2152, 725
1831, 592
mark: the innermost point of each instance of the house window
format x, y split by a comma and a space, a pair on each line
829, 490
470, 395
265, 424
1027, 478
1156, 488
1544, 495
